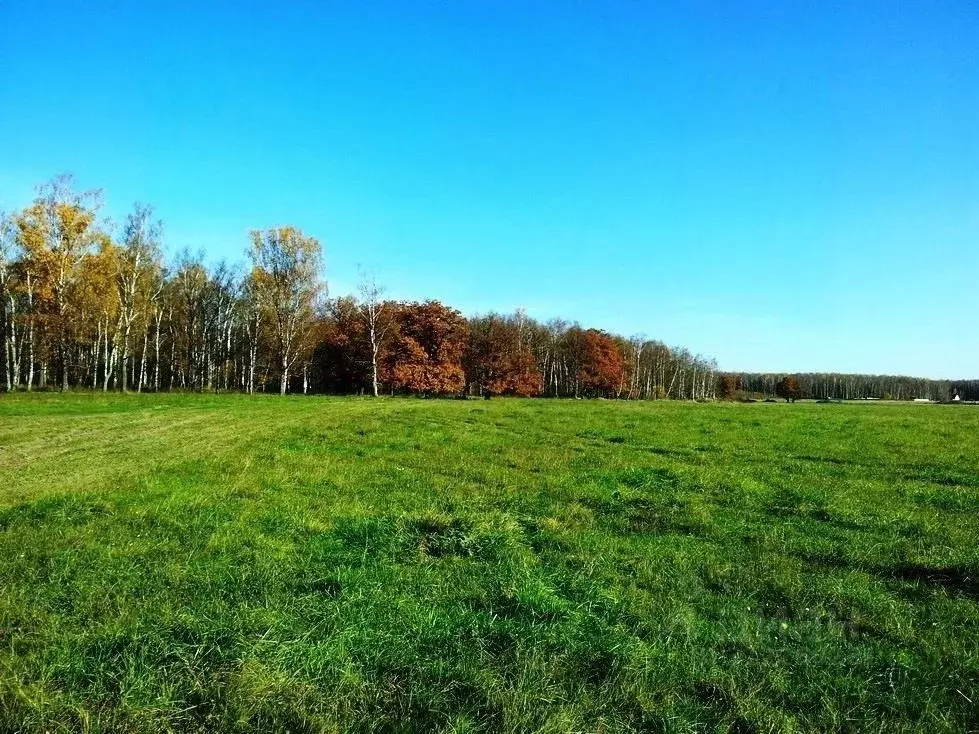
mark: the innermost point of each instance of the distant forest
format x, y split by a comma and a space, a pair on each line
85, 304
835, 386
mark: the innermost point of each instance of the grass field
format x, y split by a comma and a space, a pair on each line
329, 564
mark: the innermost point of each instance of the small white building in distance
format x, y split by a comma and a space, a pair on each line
956, 398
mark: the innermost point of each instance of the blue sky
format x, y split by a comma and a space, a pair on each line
784, 186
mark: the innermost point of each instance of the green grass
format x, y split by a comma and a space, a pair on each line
230, 563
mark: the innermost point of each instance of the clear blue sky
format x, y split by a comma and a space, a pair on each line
782, 185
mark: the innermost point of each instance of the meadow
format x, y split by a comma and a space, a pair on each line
233, 563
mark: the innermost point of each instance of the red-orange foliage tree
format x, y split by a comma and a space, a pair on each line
498, 359
426, 349
601, 370
728, 386
788, 388
515, 373
341, 356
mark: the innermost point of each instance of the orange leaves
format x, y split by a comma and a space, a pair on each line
499, 359
789, 389
426, 351
600, 367
514, 373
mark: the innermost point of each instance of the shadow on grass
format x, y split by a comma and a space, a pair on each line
945, 477
666, 516
954, 580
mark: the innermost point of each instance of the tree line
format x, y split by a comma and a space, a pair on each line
835, 386
84, 303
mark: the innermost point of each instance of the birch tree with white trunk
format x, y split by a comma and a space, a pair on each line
7, 244
139, 257
286, 268
60, 228
372, 311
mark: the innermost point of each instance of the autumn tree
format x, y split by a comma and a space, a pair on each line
188, 293
600, 366
60, 228
342, 356
425, 355
30, 299
499, 359
98, 298
286, 268
788, 388
728, 386
137, 265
